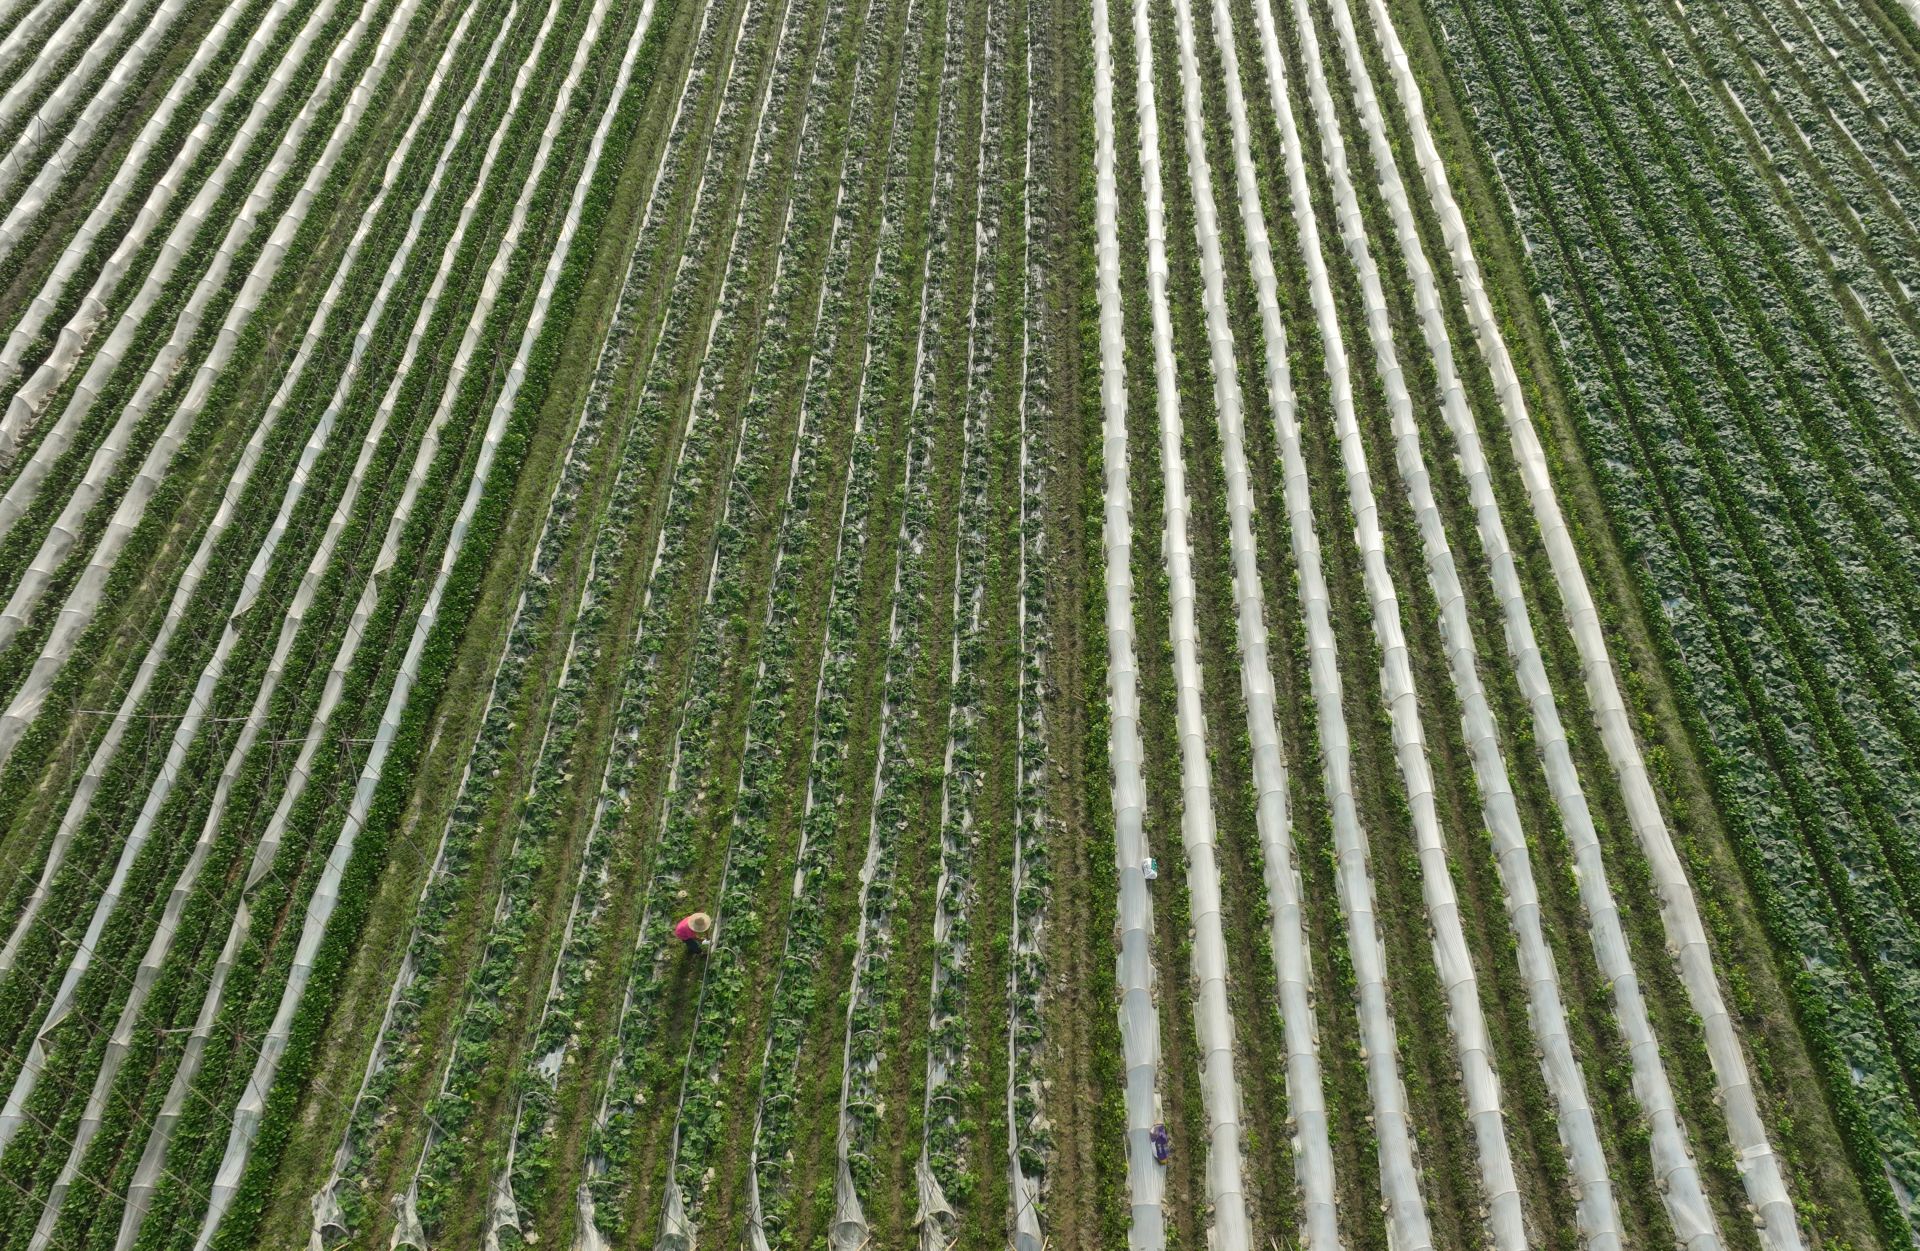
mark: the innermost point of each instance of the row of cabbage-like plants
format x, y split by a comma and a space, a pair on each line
483, 1031
762, 105
878, 978
873, 298
799, 345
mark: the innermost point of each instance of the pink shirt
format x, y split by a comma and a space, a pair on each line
684, 930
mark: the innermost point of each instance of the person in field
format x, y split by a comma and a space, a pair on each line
692, 930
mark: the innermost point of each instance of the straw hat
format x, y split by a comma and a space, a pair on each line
699, 922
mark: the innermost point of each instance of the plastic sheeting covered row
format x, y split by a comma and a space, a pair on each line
1684, 1195
1406, 1212
49, 173
184, 239
1133, 962
152, 1168
1754, 1155
52, 54
1597, 1214
1479, 1084
28, 153
407, 1224
26, 703
185, 731
37, 392
85, 597
1213, 1020
13, 1114
247, 1117
1306, 1096
26, 40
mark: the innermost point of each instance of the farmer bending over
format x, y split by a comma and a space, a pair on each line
692, 930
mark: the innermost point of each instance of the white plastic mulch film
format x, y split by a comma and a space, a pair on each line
1406, 1212
126, 337
26, 41
328, 1215
85, 597
1597, 1214
13, 1114
1453, 960
246, 1119
52, 57
1213, 1020
30, 153
1133, 963
1306, 1098
53, 656
1758, 1164
30, 403
188, 727
47, 178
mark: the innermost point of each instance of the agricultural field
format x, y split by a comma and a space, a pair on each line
1256, 624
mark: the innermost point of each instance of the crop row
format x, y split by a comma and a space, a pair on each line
1671, 1157
1722, 675
1030, 1145
877, 978
1679, 912
76, 147
1406, 1212
878, 296
1855, 743
65, 63
155, 166
149, 1176
269, 895
793, 341
257, 449
1213, 1023
340, 1207
185, 735
52, 123
141, 411
252, 1107
297, 525
720, 640
51, 568
483, 1025
1840, 239
427, 963
162, 287
1133, 964
27, 21
1288, 936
